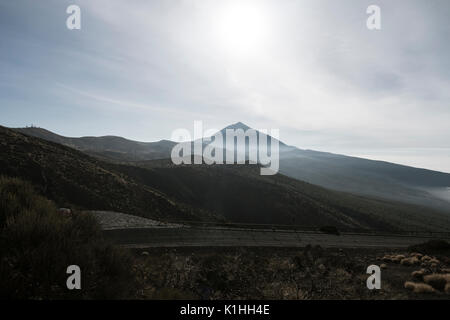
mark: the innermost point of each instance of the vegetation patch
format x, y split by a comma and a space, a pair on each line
432, 247
38, 243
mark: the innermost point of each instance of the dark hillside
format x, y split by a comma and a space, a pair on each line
70, 177
241, 194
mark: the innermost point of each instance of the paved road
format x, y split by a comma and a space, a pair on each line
203, 237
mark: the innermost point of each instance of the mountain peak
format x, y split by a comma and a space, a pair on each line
237, 125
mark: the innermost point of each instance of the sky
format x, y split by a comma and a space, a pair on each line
310, 68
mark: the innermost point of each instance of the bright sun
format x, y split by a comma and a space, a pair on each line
242, 28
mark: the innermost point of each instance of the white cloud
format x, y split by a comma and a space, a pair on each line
303, 66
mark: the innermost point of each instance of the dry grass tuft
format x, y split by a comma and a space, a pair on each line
410, 261
419, 287
434, 261
393, 258
419, 274
437, 281
416, 254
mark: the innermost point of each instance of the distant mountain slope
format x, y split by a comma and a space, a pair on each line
73, 178
360, 176
367, 177
338, 172
241, 194
109, 147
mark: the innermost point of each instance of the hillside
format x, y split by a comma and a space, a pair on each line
107, 147
241, 194
72, 178
333, 171
368, 177
159, 189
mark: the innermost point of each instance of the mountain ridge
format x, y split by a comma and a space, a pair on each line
159, 189
356, 175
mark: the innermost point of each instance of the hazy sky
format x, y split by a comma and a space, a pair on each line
141, 69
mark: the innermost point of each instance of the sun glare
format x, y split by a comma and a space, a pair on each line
242, 28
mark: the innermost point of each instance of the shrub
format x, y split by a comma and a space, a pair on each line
432, 247
410, 261
37, 244
437, 281
418, 274
419, 287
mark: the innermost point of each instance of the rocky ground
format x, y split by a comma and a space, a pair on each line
291, 273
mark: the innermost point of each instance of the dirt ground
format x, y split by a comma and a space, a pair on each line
283, 273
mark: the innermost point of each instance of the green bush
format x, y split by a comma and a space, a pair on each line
38, 243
